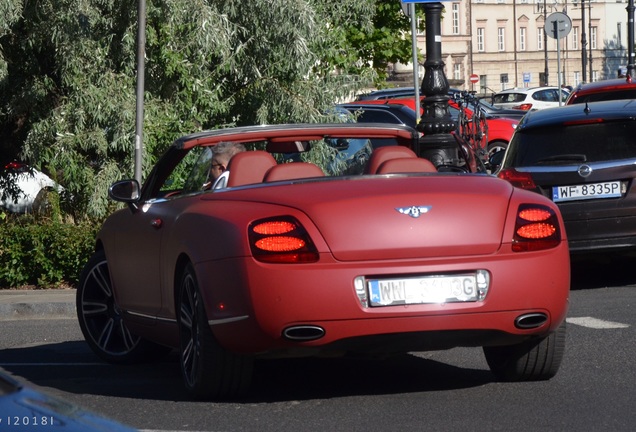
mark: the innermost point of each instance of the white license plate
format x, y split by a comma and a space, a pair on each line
587, 191
426, 289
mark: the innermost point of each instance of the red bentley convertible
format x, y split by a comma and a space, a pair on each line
283, 258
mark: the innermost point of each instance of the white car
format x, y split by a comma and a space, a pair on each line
24, 189
530, 99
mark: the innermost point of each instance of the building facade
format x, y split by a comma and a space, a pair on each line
503, 42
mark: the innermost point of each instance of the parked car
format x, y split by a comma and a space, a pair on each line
530, 99
500, 130
287, 260
24, 189
620, 88
395, 92
27, 409
582, 157
494, 111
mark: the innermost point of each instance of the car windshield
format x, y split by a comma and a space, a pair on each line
574, 144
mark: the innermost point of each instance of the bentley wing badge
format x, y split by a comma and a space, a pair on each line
414, 211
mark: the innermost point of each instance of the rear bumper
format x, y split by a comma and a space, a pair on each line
269, 299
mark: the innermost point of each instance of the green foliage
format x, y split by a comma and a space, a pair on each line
43, 253
68, 75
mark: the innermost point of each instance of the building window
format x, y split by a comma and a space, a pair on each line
575, 38
457, 71
480, 39
577, 78
522, 39
455, 18
420, 26
501, 41
540, 36
593, 33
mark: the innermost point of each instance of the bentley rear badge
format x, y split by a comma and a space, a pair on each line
414, 211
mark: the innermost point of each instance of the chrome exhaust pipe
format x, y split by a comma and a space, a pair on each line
530, 321
303, 333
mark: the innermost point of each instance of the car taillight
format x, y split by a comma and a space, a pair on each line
524, 107
14, 166
536, 228
281, 240
517, 179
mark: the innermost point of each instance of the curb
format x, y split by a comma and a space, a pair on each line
34, 304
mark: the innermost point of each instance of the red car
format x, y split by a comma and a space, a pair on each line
285, 259
500, 129
619, 88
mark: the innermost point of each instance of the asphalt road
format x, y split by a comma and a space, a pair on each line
439, 391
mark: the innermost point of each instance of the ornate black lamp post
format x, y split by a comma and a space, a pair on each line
437, 144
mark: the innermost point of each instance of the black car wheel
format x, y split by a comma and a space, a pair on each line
496, 146
209, 371
100, 318
532, 360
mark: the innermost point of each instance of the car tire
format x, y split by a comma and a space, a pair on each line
209, 371
496, 146
532, 360
100, 318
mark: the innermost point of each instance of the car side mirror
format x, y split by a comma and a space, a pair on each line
127, 191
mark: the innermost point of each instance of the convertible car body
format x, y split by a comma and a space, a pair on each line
283, 257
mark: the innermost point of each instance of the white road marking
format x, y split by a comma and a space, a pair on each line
595, 323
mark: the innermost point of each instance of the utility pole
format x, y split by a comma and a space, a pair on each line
630, 38
141, 61
583, 43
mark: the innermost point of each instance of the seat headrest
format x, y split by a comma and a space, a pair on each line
249, 167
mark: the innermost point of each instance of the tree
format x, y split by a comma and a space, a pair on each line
386, 41
67, 85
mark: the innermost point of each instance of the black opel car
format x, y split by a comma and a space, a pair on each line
583, 157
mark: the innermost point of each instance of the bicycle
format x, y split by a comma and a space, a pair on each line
472, 126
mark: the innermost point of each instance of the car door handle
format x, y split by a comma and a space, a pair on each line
156, 223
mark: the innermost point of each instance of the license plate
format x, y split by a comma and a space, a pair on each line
587, 191
426, 289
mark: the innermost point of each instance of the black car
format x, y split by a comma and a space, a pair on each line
492, 111
395, 93
582, 157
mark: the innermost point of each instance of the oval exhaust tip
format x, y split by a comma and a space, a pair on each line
530, 321
303, 333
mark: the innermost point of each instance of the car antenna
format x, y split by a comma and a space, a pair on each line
587, 108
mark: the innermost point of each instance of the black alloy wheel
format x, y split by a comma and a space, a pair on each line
100, 318
209, 371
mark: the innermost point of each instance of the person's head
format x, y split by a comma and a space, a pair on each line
222, 153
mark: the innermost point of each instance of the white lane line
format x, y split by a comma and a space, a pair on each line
595, 323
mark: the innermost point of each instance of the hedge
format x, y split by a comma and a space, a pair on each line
43, 253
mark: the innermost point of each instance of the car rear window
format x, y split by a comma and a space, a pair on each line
573, 145
618, 94
509, 97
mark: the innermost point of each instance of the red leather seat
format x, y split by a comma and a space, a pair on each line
382, 154
249, 167
293, 170
406, 165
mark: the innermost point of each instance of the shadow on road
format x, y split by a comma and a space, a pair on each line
72, 368
603, 270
